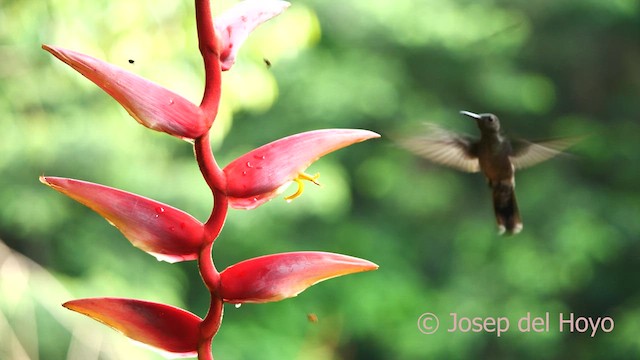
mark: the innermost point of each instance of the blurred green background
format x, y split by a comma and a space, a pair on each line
547, 68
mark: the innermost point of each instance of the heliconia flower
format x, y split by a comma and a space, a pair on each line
234, 26
147, 102
280, 276
261, 174
165, 232
166, 328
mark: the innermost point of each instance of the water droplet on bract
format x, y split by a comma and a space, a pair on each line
244, 172
249, 164
238, 306
159, 210
259, 157
171, 101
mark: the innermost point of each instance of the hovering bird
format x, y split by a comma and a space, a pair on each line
496, 156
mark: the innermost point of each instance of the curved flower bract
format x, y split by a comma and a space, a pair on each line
234, 26
166, 328
279, 276
261, 174
147, 102
163, 231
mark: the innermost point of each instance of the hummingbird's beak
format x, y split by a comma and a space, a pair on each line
470, 114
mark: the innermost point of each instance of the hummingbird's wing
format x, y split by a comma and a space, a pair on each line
444, 147
526, 153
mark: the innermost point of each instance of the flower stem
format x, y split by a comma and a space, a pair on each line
217, 181
209, 46
204, 350
213, 175
215, 178
210, 49
211, 323
209, 327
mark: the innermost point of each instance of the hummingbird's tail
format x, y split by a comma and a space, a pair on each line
506, 208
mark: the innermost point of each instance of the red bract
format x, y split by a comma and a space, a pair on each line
235, 24
148, 103
159, 229
261, 174
164, 327
280, 276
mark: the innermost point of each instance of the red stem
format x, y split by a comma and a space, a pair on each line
210, 49
204, 350
211, 323
209, 327
217, 181
214, 176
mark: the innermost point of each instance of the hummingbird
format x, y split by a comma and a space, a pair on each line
493, 154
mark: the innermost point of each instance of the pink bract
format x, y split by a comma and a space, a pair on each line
234, 25
147, 102
166, 328
161, 230
280, 276
261, 174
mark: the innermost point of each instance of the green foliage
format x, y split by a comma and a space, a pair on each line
548, 69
